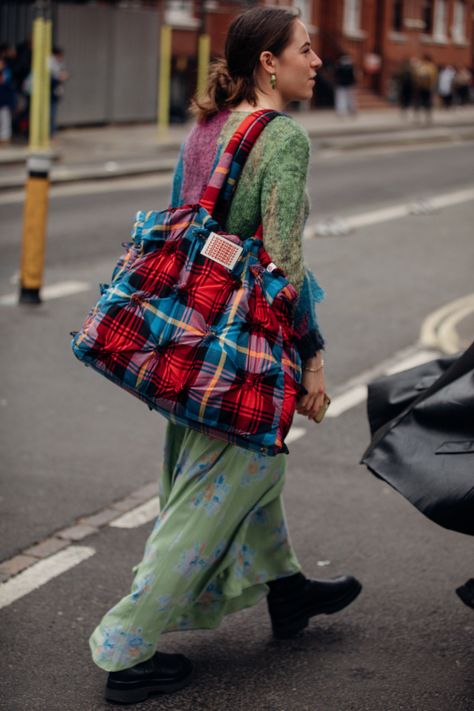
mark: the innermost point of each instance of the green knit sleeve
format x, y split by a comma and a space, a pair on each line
284, 201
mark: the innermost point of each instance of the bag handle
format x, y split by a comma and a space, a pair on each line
218, 194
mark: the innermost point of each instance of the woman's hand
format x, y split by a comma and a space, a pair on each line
310, 404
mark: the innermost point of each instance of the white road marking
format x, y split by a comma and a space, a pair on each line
346, 401
354, 392
395, 212
294, 434
139, 515
412, 361
42, 572
55, 291
95, 187
447, 332
438, 328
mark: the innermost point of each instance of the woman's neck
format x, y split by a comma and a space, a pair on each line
264, 101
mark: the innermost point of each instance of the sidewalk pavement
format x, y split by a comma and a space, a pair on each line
124, 150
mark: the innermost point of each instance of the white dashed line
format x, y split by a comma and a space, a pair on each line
55, 291
139, 515
346, 401
42, 572
294, 434
395, 212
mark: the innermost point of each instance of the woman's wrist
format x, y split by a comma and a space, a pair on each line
314, 364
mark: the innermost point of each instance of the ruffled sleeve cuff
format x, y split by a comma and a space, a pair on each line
308, 336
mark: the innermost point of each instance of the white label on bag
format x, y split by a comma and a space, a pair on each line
221, 250
271, 267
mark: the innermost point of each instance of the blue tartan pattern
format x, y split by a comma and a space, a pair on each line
209, 347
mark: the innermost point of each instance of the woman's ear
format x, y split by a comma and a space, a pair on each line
267, 61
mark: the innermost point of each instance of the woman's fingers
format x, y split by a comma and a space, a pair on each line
310, 404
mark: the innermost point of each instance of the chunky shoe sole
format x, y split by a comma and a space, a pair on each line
289, 627
136, 691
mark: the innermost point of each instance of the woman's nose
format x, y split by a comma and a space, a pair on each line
317, 62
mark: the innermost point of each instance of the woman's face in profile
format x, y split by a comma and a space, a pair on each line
296, 66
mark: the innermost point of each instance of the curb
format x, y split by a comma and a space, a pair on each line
355, 138
66, 175
81, 528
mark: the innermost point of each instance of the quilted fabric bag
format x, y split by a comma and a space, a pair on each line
197, 323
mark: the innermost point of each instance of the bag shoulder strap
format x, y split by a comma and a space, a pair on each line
218, 194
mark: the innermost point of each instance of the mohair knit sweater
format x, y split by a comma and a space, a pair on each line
271, 190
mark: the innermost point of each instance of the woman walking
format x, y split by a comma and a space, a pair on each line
220, 543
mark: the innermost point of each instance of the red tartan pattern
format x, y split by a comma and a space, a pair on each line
206, 346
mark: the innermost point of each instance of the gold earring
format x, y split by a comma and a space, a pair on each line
273, 81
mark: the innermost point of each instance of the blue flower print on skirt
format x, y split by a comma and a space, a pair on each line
280, 535
191, 561
259, 516
212, 496
255, 471
244, 557
164, 603
140, 587
124, 646
212, 596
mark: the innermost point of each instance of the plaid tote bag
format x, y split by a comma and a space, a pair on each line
197, 323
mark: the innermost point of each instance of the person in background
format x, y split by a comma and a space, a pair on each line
406, 86
21, 82
445, 85
59, 76
462, 83
426, 79
345, 81
7, 105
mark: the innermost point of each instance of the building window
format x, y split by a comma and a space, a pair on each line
440, 19
427, 16
180, 13
397, 15
351, 16
459, 21
305, 10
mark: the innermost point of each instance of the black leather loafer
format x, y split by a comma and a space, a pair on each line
290, 611
162, 674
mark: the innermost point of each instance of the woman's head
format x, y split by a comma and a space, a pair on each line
265, 48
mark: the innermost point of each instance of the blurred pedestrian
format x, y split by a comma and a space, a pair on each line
462, 84
446, 85
406, 85
426, 79
345, 81
59, 76
220, 543
22, 85
7, 105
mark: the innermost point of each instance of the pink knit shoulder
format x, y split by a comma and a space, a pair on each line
199, 155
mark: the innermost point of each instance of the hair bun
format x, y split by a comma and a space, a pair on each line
219, 73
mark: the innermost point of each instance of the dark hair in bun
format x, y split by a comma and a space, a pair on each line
232, 80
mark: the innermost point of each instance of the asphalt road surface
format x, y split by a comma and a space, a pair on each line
72, 444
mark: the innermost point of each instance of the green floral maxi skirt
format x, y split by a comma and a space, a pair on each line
220, 536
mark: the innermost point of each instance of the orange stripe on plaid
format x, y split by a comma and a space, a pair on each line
210, 388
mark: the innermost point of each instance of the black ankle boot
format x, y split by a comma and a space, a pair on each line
466, 593
161, 674
292, 606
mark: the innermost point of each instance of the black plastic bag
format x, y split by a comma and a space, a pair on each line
422, 425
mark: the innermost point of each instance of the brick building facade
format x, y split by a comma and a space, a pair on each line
379, 34
394, 30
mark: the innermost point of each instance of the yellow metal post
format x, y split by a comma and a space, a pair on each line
46, 85
39, 161
204, 54
37, 78
164, 80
